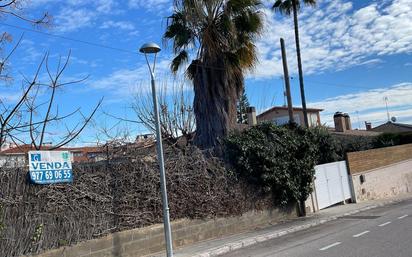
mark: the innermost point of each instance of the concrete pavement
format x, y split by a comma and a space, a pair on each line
315, 221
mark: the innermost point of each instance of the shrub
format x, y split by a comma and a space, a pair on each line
350, 143
386, 139
279, 159
328, 147
392, 139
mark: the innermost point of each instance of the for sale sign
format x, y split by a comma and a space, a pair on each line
49, 167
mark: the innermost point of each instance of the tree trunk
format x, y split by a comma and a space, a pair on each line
301, 209
214, 103
302, 87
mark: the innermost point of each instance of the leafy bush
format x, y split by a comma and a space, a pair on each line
392, 139
328, 147
386, 139
279, 159
350, 143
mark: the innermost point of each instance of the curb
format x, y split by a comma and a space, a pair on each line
233, 246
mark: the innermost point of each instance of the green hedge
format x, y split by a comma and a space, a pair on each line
392, 139
279, 159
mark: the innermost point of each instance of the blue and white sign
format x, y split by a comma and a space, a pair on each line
49, 167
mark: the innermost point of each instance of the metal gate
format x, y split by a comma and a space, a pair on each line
331, 184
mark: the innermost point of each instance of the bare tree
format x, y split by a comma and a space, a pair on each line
15, 8
176, 112
35, 116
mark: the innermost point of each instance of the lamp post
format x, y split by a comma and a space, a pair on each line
152, 48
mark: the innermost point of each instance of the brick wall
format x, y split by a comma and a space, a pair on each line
150, 240
362, 161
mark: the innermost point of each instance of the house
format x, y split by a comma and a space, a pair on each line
87, 154
392, 127
16, 156
279, 115
343, 127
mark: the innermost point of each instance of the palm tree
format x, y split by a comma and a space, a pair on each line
219, 35
287, 7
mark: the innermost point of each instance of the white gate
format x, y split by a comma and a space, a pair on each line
331, 184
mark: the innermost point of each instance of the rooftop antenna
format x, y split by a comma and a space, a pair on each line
387, 110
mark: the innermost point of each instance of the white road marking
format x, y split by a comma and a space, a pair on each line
361, 234
401, 217
329, 246
384, 224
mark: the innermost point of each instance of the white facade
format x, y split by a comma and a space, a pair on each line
13, 160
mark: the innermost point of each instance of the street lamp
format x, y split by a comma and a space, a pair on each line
152, 48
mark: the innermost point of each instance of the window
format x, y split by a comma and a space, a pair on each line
78, 154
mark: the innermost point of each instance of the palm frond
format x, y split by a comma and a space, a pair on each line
181, 58
217, 31
286, 6
179, 31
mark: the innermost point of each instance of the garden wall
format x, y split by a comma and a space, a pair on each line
381, 173
150, 240
118, 195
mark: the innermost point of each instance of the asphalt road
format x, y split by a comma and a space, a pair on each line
381, 232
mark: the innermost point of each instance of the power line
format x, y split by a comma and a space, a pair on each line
69, 39
132, 52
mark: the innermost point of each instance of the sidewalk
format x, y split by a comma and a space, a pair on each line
224, 245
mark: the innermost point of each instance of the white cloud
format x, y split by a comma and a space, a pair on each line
78, 14
160, 6
127, 82
8, 98
334, 36
124, 25
370, 104
372, 62
106, 6
71, 19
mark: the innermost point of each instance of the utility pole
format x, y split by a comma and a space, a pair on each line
387, 109
287, 82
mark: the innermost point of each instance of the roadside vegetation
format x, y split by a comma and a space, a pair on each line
281, 160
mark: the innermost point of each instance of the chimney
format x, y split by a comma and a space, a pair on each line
251, 116
368, 126
340, 124
348, 124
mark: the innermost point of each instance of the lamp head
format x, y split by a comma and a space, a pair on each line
150, 48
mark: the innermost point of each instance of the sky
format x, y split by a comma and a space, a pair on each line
355, 54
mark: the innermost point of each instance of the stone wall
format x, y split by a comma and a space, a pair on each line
149, 240
359, 162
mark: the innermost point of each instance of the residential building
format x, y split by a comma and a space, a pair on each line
16, 156
343, 127
392, 127
279, 115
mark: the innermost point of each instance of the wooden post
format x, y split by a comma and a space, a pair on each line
287, 82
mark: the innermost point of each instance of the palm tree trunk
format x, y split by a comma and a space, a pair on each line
302, 88
214, 106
